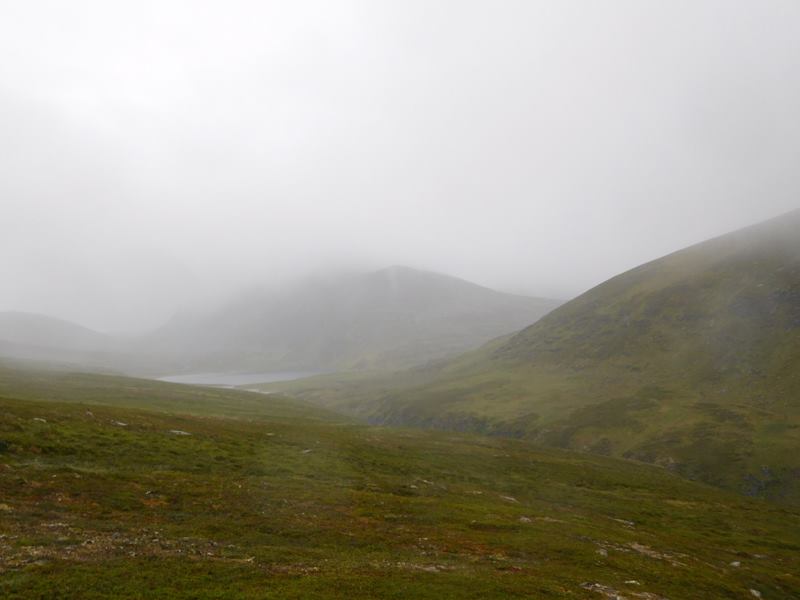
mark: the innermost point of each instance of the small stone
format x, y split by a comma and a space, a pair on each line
755, 593
525, 520
179, 432
625, 522
736, 563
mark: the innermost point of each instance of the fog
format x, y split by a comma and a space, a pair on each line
158, 155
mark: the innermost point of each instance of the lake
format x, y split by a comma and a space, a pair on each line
236, 379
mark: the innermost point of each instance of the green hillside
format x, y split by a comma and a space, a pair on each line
115, 487
691, 362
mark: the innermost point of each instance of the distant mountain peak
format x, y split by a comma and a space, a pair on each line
390, 318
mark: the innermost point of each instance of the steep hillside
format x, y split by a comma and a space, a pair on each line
691, 362
396, 317
125, 488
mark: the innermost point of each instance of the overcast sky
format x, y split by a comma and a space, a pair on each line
156, 154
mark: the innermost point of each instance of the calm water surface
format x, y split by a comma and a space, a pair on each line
236, 379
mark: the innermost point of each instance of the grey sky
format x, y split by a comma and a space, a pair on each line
159, 154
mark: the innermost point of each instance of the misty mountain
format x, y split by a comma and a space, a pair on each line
395, 317
29, 336
39, 337
27, 329
691, 361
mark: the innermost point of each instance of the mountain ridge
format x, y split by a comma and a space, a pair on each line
393, 317
397, 316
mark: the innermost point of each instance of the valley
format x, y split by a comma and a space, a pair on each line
379, 300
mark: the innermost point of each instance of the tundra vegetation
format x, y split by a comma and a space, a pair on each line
123, 487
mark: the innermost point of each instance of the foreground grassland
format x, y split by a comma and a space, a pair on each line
113, 487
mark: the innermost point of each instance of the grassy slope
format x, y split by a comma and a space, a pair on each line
691, 362
282, 502
31, 383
